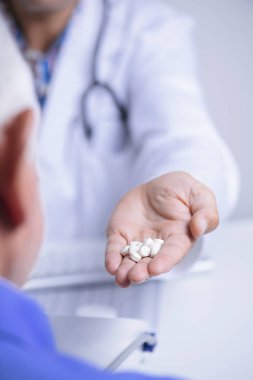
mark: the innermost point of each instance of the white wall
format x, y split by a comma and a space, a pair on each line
224, 39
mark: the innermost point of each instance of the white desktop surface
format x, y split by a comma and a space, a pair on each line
206, 327
98, 340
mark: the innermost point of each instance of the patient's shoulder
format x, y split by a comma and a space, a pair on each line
22, 319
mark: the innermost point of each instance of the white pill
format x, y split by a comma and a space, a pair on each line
135, 243
144, 251
159, 241
155, 249
135, 256
148, 242
133, 249
125, 250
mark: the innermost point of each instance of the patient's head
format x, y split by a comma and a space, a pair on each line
42, 6
20, 209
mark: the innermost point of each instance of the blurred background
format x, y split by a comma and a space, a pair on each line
224, 39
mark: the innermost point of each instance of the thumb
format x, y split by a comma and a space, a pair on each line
205, 216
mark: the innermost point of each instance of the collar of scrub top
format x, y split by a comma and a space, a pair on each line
41, 64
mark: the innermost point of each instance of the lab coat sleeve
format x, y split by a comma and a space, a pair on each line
168, 122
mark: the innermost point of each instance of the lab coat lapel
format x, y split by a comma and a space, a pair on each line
70, 78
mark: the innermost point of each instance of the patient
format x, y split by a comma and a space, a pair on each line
27, 349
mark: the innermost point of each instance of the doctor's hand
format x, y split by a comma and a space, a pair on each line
174, 207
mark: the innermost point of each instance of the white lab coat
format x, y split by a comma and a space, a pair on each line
14, 98
147, 58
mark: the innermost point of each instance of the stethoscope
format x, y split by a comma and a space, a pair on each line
98, 85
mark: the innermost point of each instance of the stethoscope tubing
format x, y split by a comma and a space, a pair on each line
88, 130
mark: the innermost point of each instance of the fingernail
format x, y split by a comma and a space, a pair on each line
202, 226
138, 282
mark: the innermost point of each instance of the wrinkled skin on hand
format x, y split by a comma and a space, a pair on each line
174, 207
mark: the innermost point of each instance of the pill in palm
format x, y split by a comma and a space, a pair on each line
148, 242
133, 249
155, 249
134, 255
125, 250
159, 241
137, 249
144, 251
135, 243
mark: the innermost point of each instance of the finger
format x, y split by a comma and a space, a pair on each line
121, 277
113, 257
139, 272
205, 216
171, 253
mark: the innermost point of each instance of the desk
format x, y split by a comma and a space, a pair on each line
206, 327
206, 321
105, 342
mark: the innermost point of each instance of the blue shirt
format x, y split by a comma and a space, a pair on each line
27, 349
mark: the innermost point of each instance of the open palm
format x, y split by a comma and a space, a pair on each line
174, 207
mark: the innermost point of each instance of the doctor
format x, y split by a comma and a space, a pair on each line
122, 106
